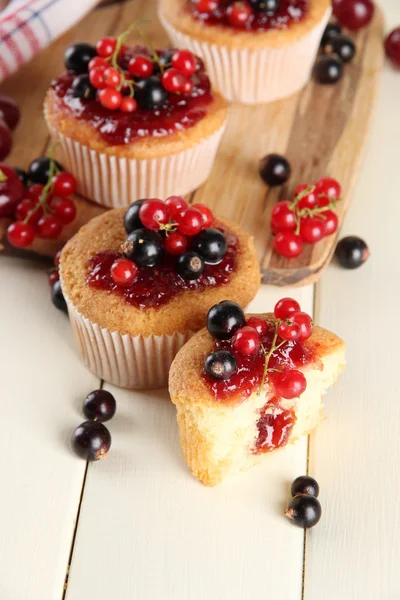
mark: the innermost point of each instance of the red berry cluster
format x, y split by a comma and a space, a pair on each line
115, 84
39, 209
237, 13
308, 218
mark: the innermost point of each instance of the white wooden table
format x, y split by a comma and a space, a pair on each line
138, 526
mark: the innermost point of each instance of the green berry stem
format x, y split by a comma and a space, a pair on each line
267, 356
3, 176
48, 188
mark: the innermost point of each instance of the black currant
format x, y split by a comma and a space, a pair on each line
165, 59
190, 265
274, 169
131, 217
144, 247
305, 485
22, 176
211, 244
343, 46
150, 93
304, 511
57, 297
351, 252
328, 69
331, 31
91, 441
224, 318
268, 7
78, 56
220, 364
39, 170
99, 406
82, 88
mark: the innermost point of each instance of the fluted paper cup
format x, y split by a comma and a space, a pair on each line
114, 182
125, 361
255, 76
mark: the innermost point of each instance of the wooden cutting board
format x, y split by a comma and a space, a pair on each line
322, 131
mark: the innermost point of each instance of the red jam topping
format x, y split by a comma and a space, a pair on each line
181, 111
274, 427
289, 12
155, 286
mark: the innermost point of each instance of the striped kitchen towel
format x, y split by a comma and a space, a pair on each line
27, 26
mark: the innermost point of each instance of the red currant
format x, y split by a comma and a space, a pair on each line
140, 66
331, 222
106, 46
175, 243
289, 330
239, 13
353, 14
64, 209
288, 244
285, 308
392, 46
259, 324
247, 341
282, 218
305, 323
328, 187
97, 61
11, 192
208, 217
20, 234
109, 98
112, 77
187, 86
185, 62
128, 105
64, 184
290, 384
97, 79
7, 173
173, 80
310, 200
34, 191
312, 229
175, 205
206, 6
5, 140
25, 207
53, 277
123, 272
154, 212
57, 258
49, 227
190, 221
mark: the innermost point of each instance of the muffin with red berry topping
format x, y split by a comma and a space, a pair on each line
255, 50
134, 122
138, 284
248, 385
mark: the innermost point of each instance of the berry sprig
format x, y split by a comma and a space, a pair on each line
43, 207
156, 228
308, 218
304, 508
226, 322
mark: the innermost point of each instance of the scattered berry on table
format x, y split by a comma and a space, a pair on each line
91, 441
275, 169
78, 56
392, 46
210, 244
328, 69
224, 319
99, 406
305, 485
304, 511
220, 364
351, 252
190, 265
332, 30
343, 46
353, 14
124, 272
57, 297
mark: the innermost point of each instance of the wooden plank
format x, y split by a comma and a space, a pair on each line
42, 385
354, 552
149, 530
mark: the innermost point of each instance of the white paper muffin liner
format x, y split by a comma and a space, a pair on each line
255, 76
125, 361
114, 182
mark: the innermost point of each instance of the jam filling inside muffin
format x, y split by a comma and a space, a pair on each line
252, 15
155, 286
157, 112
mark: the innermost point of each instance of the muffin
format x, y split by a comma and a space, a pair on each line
135, 299
153, 134
256, 51
246, 386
